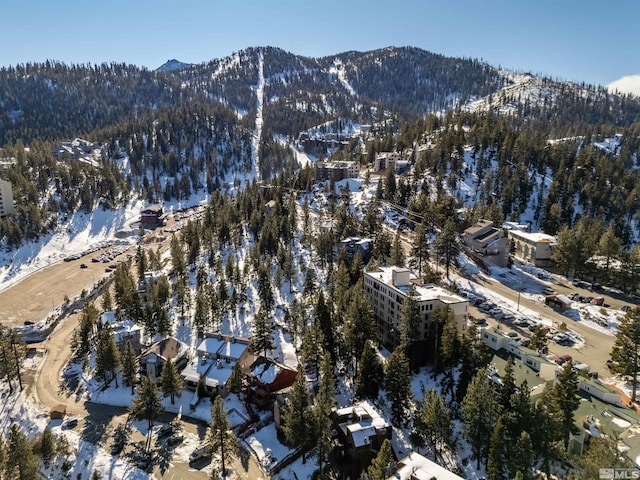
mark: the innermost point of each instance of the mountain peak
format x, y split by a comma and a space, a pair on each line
172, 65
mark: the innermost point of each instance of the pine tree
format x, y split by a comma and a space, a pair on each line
474, 354
449, 355
539, 340
396, 255
359, 324
107, 301
235, 380
21, 461
322, 315
107, 356
565, 397
47, 446
147, 406
324, 402
312, 347
410, 320
261, 340
479, 412
602, 452
370, 373
507, 387
170, 381
498, 460
398, 385
432, 423
221, 439
626, 348
130, 367
420, 247
381, 467
297, 416
446, 245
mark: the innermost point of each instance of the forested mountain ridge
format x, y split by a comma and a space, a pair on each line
211, 125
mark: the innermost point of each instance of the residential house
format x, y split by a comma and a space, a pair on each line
6, 199
216, 356
535, 247
152, 217
487, 241
124, 331
79, 149
387, 287
266, 378
353, 245
153, 358
361, 429
416, 467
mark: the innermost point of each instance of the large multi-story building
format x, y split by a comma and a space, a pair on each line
6, 199
387, 287
533, 247
336, 170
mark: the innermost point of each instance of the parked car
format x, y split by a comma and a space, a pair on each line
175, 439
200, 451
548, 291
597, 301
165, 430
71, 422
84, 265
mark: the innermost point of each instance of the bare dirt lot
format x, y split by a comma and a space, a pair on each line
36, 296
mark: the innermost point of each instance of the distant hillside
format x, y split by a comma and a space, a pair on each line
172, 65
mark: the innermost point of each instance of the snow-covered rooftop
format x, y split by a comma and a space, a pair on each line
417, 467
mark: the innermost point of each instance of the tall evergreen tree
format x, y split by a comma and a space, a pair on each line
381, 466
446, 245
432, 423
626, 349
479, 413
359, 324
565, 396
498, 459
147, 406
324, 402
410, 320
130, 367
420, 247
370, 373
47, 446
21, 461
398, 385
322, 314
298, 415
222, 441
107, 356
170, 380
261, 340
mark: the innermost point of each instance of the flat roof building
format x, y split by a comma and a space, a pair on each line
387, 287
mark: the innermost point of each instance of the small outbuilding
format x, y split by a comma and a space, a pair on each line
559, 302
58, 412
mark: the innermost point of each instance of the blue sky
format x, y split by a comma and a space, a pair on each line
592, 41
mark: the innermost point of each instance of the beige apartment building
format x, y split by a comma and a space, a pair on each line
387, 287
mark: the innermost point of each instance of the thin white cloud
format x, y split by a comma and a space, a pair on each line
626, 84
